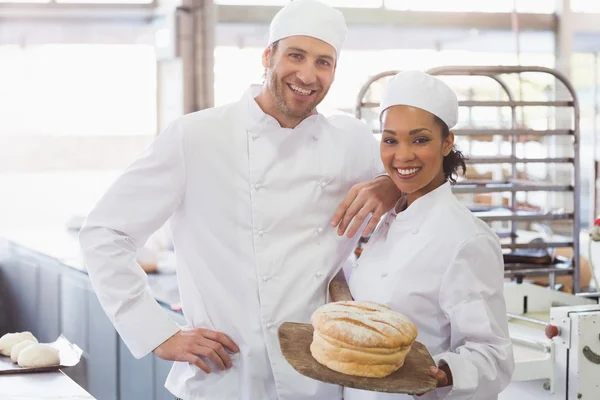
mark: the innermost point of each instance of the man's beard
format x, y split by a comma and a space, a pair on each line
278, 88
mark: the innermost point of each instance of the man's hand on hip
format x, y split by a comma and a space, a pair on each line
190, 346
375, 197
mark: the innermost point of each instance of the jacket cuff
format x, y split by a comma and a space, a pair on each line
145, 326
464, 375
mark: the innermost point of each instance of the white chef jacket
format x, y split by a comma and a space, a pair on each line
443, 268
250, 205
158, 249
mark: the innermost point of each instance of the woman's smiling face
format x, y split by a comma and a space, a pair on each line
413, 149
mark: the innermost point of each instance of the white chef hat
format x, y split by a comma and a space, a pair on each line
309, 18
421, 90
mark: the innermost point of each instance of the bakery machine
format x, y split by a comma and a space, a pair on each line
519, 126
556, 343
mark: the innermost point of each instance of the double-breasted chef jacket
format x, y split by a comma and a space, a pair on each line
443, 268
250, 205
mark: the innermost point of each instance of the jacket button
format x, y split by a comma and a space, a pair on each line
254, 137
315, 137
319, 230
319, 274
265, 278
270, 325
258, 186
384, 275
260, 233
323, 184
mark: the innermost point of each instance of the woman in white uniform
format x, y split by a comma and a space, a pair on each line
430, 258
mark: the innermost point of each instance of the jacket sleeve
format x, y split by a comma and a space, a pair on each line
136, 205
481, 357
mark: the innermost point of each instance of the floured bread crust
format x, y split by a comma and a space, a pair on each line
361, 338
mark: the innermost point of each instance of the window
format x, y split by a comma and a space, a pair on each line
72, 117
585, 70
590, 6
81, 1
77, 90
24, 1
106, 1
333, 3
253, 2
355, 3
230, 80
529, 6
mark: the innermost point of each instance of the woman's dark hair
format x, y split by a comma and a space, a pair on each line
455, 160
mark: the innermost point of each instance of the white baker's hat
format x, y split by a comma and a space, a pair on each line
421, 90
309, 18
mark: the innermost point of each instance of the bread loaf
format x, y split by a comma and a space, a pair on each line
361, 338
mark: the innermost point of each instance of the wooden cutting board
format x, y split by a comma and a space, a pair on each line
413, 378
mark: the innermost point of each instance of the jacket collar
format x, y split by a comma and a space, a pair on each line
258, 120
421, 207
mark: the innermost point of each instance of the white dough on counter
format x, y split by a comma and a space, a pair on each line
10, 339
16, 349
38, 356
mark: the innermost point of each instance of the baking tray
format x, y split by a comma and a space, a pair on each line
528, 256
69, 353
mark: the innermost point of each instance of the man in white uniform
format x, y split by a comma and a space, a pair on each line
250, 190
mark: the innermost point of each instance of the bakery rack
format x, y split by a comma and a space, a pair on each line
533, 257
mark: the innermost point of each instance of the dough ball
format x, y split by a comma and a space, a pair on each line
16, 349
10, 339
38, 356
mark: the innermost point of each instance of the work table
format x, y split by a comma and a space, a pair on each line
42, 386
62, 245
45, 289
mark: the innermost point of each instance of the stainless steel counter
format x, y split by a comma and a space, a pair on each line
41, 386
62, 245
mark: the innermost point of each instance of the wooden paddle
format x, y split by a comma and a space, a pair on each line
413, 378
338, 288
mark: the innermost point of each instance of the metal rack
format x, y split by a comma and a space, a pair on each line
513, 185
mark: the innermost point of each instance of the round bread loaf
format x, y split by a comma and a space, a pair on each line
361, 338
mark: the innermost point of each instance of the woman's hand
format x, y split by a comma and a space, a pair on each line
443, 375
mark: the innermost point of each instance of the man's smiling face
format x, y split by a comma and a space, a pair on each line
299, 73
